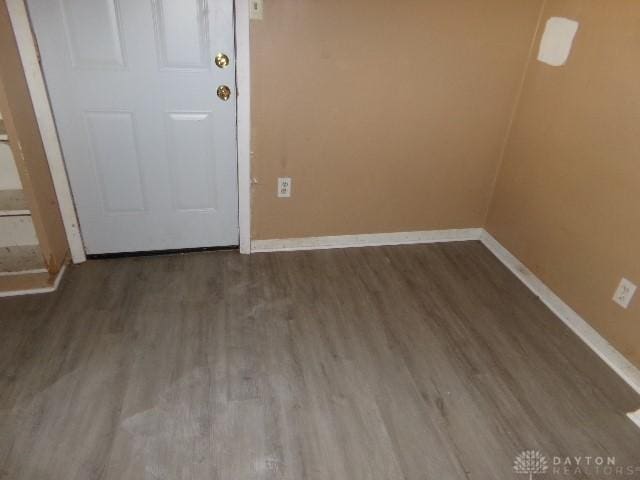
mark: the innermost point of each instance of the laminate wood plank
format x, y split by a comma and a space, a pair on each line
412, 362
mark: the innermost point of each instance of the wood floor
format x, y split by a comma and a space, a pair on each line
417, 362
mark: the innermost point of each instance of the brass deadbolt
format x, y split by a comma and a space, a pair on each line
222, 61
224, 92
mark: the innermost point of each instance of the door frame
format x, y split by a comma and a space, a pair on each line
243, 120
40, 98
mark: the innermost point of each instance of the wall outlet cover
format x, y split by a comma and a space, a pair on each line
284, 187
625, 292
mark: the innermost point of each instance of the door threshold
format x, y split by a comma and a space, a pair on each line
152, 253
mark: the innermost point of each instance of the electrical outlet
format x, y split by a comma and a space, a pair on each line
625, 292
284, 187
256, 8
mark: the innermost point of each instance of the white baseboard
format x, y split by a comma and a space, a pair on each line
623, 367
366, 240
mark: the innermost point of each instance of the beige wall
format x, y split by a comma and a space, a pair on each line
568, 198
393, 118
389, 116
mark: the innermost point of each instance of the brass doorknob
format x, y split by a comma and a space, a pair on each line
222, 61
224, 92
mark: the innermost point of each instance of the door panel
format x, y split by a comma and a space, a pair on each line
150, 149
114, 151
93, 32
182, 33
190, 139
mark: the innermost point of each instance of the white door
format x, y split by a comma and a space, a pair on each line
149, 147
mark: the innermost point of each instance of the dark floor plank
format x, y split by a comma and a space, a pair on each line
416, 362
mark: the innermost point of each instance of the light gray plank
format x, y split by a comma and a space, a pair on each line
412, 362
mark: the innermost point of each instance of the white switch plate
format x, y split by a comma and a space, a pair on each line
625, 292
256, 8
284, 187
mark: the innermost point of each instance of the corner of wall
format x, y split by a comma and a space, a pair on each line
514, 112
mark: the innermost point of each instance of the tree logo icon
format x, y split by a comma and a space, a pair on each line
530, 462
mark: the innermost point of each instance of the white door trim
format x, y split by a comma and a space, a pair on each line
48, 132
37, 89
243, 119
